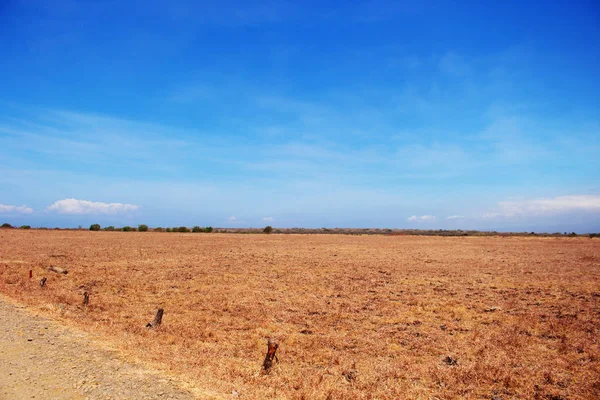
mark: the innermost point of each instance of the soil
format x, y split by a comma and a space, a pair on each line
355, 316
40, 359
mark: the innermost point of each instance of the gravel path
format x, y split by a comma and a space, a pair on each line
39, 359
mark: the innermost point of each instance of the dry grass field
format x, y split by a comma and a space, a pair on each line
356, 317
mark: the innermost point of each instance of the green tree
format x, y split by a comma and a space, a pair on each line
183, 229
25, 227
196, 229
95, 227
109, 228
143, 228
127, 229
6, 225
268, 229
208, 229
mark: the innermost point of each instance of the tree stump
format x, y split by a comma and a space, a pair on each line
157, 320
272, 347
42, 282
86, 298
30, 274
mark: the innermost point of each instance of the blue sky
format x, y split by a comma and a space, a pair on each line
433, 114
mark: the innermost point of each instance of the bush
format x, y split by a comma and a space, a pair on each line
109, 228
143, 228
169, 229
127, 229
268, 229
6, 225
196, 229
183, 229
208, 229
159, 229
95, 227
25, 227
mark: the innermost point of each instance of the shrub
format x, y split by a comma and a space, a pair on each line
143, 228
196, 229
208, 229
268, 229
159, 229
95, 227
183, 229
169, 229
109, 228
127, 229
25, 227
6, 225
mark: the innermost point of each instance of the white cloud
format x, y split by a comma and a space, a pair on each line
561, 204
74, 206
546, 206
268, 219
424, 218
232, 218
6, 209
456, 217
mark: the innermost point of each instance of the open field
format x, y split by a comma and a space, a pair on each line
356, 316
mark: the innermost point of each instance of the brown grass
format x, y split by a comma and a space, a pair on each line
357, 317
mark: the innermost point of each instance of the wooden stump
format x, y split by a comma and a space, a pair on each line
86, 298
30, 274
157, 320
272, 347
42, 282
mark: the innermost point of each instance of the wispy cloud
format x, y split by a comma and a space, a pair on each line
75, 206
456, 217
268, 219
9, 209
232, 218
91, 139
422, 218
561, 204
435, 155
546, 206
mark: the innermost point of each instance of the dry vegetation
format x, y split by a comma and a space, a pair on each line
355, 316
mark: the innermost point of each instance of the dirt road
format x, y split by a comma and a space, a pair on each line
40, 359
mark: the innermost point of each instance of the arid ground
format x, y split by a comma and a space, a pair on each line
43, 359
356, 317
